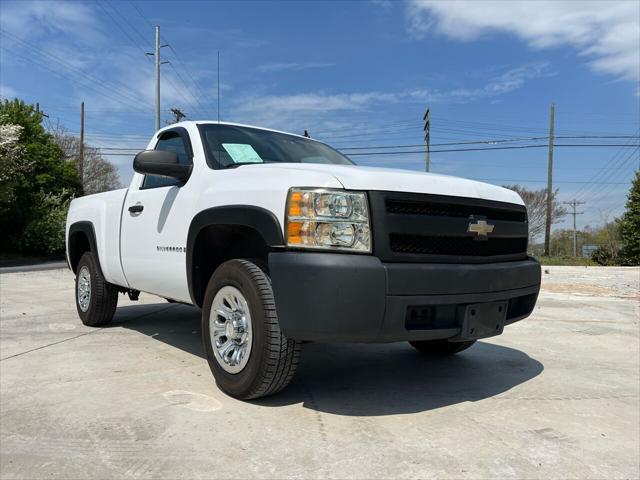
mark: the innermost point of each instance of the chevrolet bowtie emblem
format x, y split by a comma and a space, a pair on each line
481, 227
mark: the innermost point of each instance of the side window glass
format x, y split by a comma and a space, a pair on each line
172, 142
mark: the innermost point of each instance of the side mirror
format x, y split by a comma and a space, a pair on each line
161, 162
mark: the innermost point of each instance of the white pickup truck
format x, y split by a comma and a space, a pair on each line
280, 239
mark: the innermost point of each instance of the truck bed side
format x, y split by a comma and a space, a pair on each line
104, 212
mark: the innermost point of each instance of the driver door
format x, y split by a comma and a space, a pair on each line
155, 226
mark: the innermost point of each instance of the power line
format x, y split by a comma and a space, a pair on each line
81, 83
365, 126
490, 141
140, 13
435, 132
457, 125
478, 149
117, 24
483, 126
200, 107
371, 135
142, 37
512, 147
142, 49
177, 90
51, 57
621, 170
199, 93
122, 95
607, 169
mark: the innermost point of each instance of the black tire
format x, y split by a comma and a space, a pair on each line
273, 358
103, 297
441, 348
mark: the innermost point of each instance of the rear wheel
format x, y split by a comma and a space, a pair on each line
247, 353
96, 299
441, 348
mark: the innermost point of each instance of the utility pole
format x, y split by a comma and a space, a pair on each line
158, 63
157, 77
547, 230
178, 114
427, 137
40, 112
81, 149
574, 203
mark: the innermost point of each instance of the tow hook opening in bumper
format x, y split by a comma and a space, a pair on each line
499, 313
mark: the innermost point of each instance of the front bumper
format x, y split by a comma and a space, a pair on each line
358, 298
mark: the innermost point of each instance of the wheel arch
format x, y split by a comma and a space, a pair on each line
221, 233
81, 239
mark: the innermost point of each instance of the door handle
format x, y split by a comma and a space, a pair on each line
137, 208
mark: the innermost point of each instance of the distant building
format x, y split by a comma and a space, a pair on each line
588, 250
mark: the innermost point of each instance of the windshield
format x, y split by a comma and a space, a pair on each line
231, 145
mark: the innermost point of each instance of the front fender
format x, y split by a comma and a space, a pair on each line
259, 219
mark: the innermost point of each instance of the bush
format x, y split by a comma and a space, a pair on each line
45, 229
36, 182
605, 256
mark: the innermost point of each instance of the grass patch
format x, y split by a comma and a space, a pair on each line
568, 261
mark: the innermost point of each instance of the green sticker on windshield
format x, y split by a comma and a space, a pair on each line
242, 153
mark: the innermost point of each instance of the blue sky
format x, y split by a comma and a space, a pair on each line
354, 74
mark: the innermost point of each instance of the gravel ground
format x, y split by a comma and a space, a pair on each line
556, 396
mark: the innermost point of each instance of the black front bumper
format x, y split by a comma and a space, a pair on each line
358, 298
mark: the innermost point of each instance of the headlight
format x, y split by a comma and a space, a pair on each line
328, 219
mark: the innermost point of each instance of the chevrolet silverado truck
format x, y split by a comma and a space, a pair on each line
281, 240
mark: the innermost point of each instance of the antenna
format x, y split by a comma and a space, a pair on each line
218, 86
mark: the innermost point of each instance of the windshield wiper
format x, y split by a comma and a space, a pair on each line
238, 164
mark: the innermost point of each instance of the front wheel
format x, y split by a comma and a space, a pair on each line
441, 348
247, 353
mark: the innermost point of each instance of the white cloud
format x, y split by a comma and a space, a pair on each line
28, 19
607, 33
506, 82
6, 92
281, 111
279, 67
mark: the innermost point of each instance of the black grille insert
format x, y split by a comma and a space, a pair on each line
459, 246
453, 210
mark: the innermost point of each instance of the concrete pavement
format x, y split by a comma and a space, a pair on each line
32, 267
556, 396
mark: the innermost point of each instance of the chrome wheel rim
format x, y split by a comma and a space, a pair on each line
230, 329
84, 288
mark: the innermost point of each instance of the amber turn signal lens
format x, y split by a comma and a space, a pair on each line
294, 204
294, 233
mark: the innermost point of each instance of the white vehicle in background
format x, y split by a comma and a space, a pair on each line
281, 239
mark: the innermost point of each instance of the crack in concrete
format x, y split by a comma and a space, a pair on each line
99, 329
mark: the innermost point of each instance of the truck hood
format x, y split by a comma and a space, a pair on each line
354, 177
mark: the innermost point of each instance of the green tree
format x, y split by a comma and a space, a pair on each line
45, 232
630, 225
536, 203
36, 170
99, 174
14, 165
